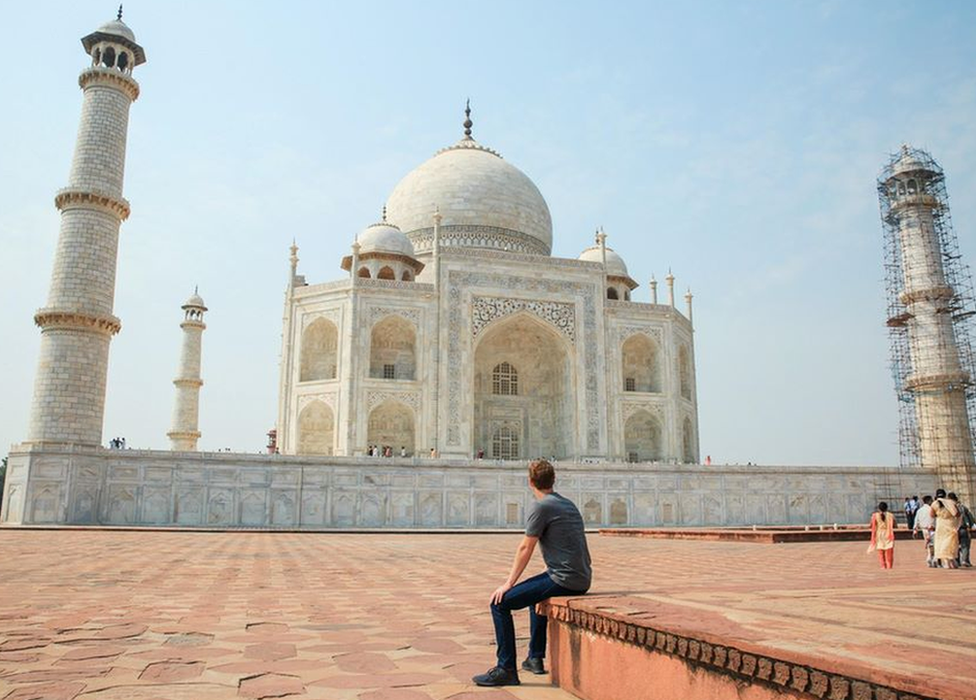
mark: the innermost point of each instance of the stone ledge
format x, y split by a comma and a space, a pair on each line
729, 662
760, 535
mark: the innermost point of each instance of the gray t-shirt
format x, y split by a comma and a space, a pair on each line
557, 523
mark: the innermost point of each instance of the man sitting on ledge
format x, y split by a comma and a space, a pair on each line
556, 524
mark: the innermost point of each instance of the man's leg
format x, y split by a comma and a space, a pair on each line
520, 596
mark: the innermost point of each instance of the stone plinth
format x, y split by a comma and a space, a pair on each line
74, 485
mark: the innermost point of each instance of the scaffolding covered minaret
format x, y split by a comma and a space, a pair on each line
930, 306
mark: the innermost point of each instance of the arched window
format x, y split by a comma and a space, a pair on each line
912, 187
684, 372
504, 380
386, 273
123, 60
97, 56
407, 277
505, 443
612, 293
364, 272
108, 57
626, 295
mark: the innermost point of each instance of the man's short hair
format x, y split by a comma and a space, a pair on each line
541, 474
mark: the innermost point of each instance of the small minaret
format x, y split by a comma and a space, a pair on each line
653, 285
77, 324
186, 411
688, 298
670, 281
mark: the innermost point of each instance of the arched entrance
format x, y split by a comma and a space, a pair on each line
391, 424
316, 429
642, 438
524, 403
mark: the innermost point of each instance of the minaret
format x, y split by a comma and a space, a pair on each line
186, 411
77, 323
930, 307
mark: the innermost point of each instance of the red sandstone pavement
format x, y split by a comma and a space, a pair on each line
112, 615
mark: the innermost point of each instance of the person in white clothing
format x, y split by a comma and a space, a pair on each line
925, 523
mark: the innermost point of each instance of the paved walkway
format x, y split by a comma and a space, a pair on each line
112, 615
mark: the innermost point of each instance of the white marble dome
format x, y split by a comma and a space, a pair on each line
195, 301
384, 238
118, 28
484, 202
615, 264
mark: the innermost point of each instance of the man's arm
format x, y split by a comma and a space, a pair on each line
522, 556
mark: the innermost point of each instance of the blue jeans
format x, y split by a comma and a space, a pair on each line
524, 595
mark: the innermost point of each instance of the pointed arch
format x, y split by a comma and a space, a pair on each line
316, 429
642, 437
364, 272
391, 424
320, 351
386, 273
640, 364
524, 389
393, 349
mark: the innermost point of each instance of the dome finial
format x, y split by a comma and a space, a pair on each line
119, 15
384, 213
467, 119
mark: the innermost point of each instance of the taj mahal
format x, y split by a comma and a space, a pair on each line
454, 331
450, 337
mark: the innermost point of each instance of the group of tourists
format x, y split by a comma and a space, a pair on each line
384, 451
943, 522
116, 443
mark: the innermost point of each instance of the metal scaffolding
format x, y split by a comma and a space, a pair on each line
930, 309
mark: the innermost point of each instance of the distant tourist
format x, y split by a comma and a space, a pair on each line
911, 507
433, 452
966, 523
708, 460
883, 535
925, 523
947, 521
403, 451
481, 454
556, 524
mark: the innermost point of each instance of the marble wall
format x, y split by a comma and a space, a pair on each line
134, 487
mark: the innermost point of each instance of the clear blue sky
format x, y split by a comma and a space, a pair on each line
736, 142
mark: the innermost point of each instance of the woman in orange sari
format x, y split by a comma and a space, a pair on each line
883, 535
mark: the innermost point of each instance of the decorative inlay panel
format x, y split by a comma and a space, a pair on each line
329, 398
629, 408
624, 332
485, 310
329, 314
408, 398
377, 312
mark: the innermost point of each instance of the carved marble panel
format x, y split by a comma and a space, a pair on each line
487, 310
